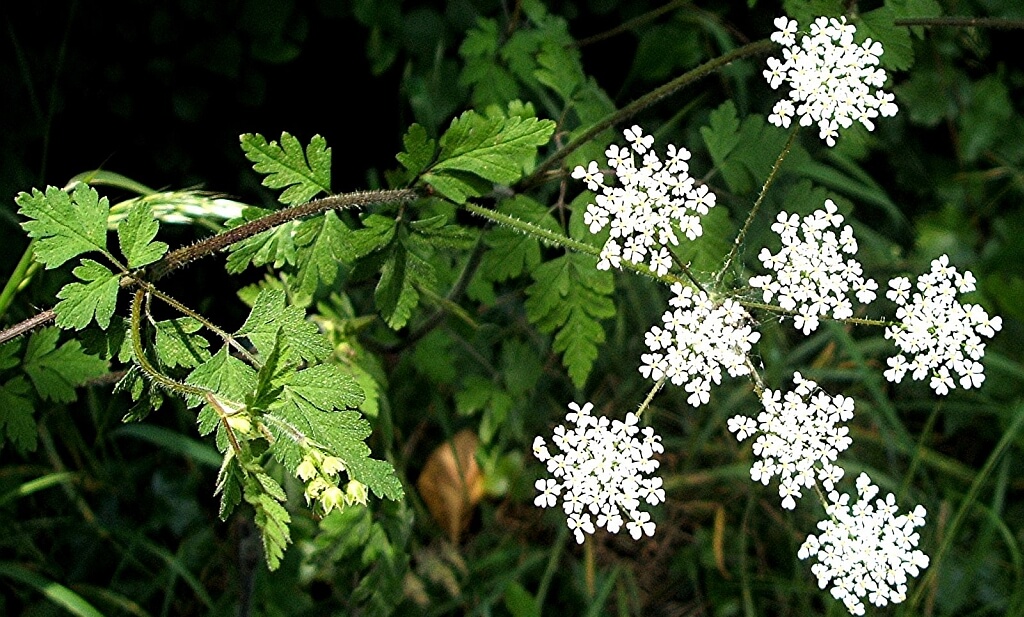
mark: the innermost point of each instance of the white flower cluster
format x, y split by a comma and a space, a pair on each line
942, 335
654, 202
865, 549
799, 438
833, 81
812, 275
699, 339
599, 472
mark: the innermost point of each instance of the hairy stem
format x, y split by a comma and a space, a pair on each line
23, 327
140, 354
204, 248
636, 22
757, 204
565, 242
650, 397
652, 97
961, 22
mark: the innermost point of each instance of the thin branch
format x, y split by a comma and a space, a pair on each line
636, 22
204, 248
23, 327
962, 22
652, 97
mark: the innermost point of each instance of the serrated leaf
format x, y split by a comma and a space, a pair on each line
275, 246
224, 374
396, 295
95, 299
897, 51
16, 422
229, 486
512, 252
135, 235
440, 232
569, 296
457, 186
419, 150
318, 243
57, 371
177, 343
65, 226
326, 387
271, 519
744, 169
305, 174
269, 312
376, 233
492, 147
276, 370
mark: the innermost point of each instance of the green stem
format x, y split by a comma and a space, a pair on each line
185, 310
856, 321
140, 355
630, 110
565, 242
757, 203
20, 275
650, 396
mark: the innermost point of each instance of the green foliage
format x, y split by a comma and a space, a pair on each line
92, 299
64, 226
270, 313
743, 168
302, 175
492, 147
179, 343
56, 371
136, 235
274, 247
878, 25
569, 296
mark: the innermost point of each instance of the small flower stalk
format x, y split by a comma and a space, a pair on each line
833, 81
601, 473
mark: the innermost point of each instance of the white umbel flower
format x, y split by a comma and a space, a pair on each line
600, 473
833, 81
653, 205
798, 438
942, 337
812, 275
865, 549
697, 340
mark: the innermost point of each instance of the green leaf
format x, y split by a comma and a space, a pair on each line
275, 246
271, 517
16, 422
318, 250
177, 343
81, 303
804, 11
306, 410
229, 486
743, 168
376, 233
269, 313
136, 234
65, 226
419, 150
492, 147
396, 295
897, 52
304, 174
570, 296
224, 374
56, 372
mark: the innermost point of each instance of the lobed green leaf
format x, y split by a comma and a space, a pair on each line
80, 303
56, 371
65, 226
135, 235
302, 174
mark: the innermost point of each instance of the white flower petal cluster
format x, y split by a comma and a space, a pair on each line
865, 549
599, 473
799, 438
833, 81
942, 336
812, 275
655, 203
700, 338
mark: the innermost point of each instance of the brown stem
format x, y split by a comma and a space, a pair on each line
186, 255
36, 321
961, 22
